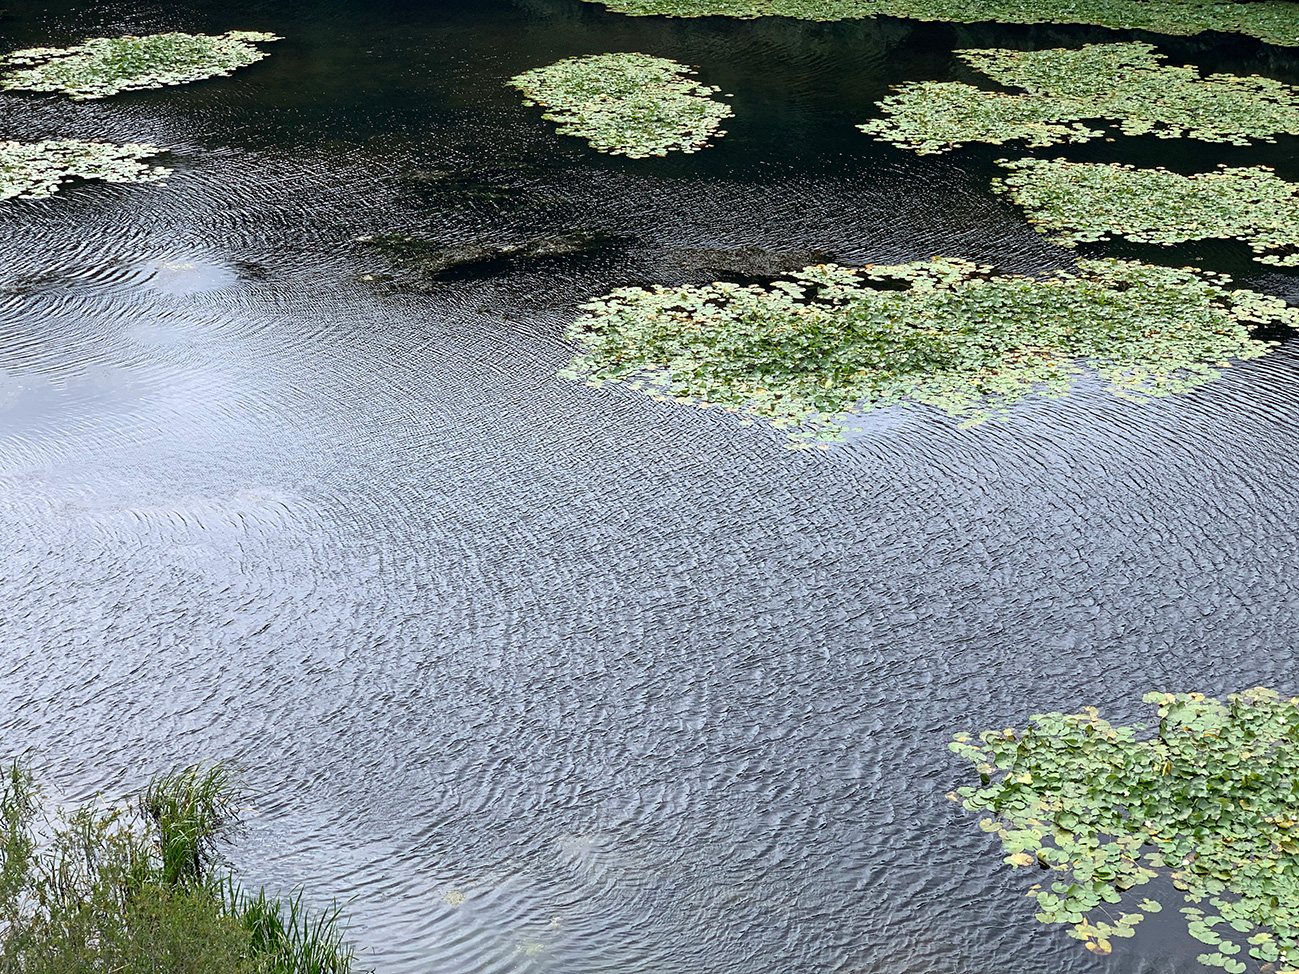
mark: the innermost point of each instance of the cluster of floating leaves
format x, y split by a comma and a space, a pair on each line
106, 65
626, 104
1125, 82
806, 351
34, 169
1082, 202
1211, 801
1273, 21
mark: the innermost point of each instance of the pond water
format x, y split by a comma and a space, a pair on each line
546, 678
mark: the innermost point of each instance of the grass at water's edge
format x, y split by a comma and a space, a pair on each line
136, 888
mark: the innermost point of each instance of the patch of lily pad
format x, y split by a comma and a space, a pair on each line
807, 351
1079, 202
30, 170
1273, 21
1209, 798
104, 66
628, 104
1123, 82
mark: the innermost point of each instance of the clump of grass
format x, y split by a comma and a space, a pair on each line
17, 844
1210, 800
626, 104
1125, 82
104, 66
806, 351
138, 889
192, 812
286, 936
1078, 202
31, 170
1273, 21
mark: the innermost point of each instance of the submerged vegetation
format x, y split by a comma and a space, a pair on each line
34, 169
136, 890
626, 104
107, 65
1124, 82
947, 333
1080, 202
1272, 21
1209, 800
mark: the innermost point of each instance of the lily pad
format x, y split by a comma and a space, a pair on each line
104, 66
1273, 21
1207, 802
1123, 82
34, 169
829, 340
1078, 202
631, 104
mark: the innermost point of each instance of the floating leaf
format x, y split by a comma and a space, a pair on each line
106, 65
627, 104
1080, 202
1125, 82
943, 332
1273, 21
1211, 795
34, 169
1204, 934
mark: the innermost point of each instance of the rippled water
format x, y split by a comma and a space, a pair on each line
646, 689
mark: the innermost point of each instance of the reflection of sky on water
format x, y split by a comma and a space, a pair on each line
179, 276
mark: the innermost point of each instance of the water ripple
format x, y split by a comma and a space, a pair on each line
539, 677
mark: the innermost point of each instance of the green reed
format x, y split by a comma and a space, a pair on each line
142, 888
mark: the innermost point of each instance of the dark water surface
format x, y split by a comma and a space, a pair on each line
649, 691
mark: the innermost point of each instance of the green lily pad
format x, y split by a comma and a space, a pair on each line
808, 350
1273, 21
627, 104
1078, 202
1211, 797
34, 169
1123, 82
104, 66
